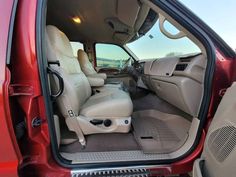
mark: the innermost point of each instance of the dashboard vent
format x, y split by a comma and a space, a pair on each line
181, 67
186, 60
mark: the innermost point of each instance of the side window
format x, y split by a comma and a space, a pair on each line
76, 46
110, 56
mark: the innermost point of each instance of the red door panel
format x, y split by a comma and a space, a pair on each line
36, 151
9, 153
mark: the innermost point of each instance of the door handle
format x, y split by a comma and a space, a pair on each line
60, 80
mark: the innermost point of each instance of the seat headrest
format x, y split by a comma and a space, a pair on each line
85, 64
82, 57
59, 41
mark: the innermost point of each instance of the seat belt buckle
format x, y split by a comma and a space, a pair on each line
71, 113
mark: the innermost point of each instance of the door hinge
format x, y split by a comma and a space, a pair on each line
222, 92
36, 122
20, 90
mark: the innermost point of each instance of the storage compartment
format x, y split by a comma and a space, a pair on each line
170, 92
181, 92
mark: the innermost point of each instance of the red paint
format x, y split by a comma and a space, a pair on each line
36, 152
10, 155
36, 159
223, 77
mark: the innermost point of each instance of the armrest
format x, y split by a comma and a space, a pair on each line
95, 81
102, 75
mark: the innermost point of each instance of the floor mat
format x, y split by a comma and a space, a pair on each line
103, 143
158, 132
151, 101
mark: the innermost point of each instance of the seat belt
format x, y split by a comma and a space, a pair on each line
73, 125
71, 119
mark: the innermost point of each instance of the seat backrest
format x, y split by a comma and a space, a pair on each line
76, 86
219, 154
85, 64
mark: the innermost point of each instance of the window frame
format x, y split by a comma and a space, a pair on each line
185, 37
134, 58
183, 16
78, 48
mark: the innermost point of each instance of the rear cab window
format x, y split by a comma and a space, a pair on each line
76, 46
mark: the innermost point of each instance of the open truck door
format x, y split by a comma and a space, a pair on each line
219, 155
9, 153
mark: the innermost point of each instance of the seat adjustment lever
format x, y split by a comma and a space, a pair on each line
96, 121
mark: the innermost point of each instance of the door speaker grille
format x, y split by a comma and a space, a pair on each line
222, 141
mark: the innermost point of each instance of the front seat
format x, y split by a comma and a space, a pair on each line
219, 152
105, 112
96, 79
87, 66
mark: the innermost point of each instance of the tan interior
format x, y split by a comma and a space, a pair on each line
116, 24
80, 109
180, 87
97, 80
174, 83
87, 66
218, 158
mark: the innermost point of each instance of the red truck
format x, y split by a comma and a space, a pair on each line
114, 88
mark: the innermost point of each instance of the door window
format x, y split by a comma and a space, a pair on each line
110, 56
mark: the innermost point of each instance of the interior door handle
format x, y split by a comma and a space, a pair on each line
61, 83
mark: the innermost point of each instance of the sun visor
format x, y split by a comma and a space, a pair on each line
127, 11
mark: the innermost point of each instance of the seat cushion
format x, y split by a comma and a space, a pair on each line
108, 105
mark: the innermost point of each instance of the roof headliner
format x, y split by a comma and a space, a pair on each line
126, 17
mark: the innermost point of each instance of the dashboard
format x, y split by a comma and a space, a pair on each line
177, 80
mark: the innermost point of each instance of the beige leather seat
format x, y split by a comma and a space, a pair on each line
219, 152
87, 66
104, 112
96, 79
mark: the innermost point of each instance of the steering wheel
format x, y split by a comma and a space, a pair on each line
126, 65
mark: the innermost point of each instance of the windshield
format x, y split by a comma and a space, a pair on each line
220, 17
154, 44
